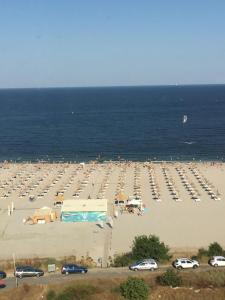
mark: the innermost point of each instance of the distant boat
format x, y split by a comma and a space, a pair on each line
184, 118
189, 143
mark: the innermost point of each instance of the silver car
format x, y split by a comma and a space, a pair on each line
28, 271
144, 264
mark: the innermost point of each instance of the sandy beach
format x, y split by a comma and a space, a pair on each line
183, 205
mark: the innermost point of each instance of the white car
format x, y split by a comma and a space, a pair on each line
144, 264
137, 202
217, 261
185, 263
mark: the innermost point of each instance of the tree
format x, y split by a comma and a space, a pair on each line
215, 249
134, 289
201, 253
123, 260
149, 247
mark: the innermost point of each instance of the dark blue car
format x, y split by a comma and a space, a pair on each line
2, 274
72, 268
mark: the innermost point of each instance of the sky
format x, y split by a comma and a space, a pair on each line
60, 43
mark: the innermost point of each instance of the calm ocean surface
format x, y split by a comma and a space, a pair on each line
134, 123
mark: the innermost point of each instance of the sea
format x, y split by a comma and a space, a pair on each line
113, 123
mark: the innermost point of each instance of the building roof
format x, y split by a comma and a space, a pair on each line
43, 211
84, 205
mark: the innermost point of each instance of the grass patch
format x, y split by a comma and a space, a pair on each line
195, 286
43, 263
211, 278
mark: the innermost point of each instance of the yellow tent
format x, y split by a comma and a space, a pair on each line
59, 196
121, 196
44, 215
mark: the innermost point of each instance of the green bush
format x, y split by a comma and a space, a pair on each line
144, 247
170, 278
69, 293
134, 289
123, 260
149, 247
215, 249
202, 253
51, 295
81, 292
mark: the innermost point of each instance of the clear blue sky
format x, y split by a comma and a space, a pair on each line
111, 42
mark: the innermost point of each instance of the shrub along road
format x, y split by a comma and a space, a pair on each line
92, 273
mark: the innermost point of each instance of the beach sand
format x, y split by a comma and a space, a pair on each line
184, 225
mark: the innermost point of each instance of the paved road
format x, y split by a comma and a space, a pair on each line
92, 273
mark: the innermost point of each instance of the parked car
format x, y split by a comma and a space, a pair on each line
185, 263
2, 284
144, 264
2, 274
134, 202
217, 261
28, 271
72, 268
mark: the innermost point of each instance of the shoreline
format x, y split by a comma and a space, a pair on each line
91, 161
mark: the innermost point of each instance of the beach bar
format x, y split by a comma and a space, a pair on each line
84, 210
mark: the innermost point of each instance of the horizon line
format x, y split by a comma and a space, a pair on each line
113, 86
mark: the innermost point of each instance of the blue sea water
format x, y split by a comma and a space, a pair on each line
132, 123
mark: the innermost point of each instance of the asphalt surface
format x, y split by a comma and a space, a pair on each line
52, 278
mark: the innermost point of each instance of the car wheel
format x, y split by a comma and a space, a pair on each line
135, 269
179, 268
20, 276
38, 275
152, 269
2, 286
215, 266
195, 267
67, 272
82, 271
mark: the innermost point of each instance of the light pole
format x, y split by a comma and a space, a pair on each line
14, 264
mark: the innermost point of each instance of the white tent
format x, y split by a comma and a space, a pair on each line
84, 205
